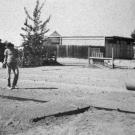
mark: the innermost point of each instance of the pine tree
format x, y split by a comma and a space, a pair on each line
133, 35
34, 35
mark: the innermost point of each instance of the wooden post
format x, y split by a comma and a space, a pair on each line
22, 58
112, 57
57, 55
88, 54
60, 41
67, 51
57, 52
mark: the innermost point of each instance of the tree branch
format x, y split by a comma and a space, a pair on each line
28, 14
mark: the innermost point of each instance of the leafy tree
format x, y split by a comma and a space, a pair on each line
34, 35
133, 35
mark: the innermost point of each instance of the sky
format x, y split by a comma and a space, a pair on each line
70, 17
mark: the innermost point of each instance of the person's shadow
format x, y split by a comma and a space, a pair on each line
22, 99
34, 88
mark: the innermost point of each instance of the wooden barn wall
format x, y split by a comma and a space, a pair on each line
121, 50
72, 51
108, 50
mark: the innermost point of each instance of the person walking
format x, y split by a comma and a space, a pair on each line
11, 61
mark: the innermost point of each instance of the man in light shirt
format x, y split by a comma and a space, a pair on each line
11, 61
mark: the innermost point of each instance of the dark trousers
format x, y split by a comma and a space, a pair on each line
12, 67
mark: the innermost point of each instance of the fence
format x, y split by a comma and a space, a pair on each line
72, 51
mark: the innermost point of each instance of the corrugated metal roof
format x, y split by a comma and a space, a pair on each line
118, 37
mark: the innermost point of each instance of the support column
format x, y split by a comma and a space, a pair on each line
89, 54
112, 57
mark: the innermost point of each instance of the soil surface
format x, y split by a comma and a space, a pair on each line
74, 99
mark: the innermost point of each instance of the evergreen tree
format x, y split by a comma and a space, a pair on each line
34, 35
133, 35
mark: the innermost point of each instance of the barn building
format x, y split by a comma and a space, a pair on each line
100, 46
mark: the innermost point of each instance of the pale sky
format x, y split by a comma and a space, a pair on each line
71, 17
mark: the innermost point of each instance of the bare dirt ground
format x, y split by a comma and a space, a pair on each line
68, 100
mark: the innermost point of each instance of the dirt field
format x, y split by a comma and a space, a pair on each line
68, 100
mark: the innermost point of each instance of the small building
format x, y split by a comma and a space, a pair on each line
118, 47
54, 38
122, 47
99, 46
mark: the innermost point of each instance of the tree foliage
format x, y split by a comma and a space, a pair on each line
33, 35
133, 35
